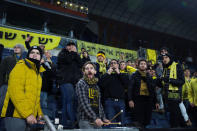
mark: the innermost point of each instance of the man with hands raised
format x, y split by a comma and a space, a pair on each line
113, 85
68, 74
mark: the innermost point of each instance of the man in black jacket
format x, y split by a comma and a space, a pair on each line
113, 85
172, 81
142, 95
68, 73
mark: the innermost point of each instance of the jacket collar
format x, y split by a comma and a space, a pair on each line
31, 65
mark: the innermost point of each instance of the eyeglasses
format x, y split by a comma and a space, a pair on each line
113, 63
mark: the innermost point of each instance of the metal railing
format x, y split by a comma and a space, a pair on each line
49, 124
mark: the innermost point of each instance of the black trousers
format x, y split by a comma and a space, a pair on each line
176, 119
142, 110
193, 116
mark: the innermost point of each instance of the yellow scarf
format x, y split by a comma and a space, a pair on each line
143, 87
102, 67
142, 73
123, 71
173, 75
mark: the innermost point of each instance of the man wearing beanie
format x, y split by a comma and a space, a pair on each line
22, 102
100, 64
172, 81
163, 50
69, 65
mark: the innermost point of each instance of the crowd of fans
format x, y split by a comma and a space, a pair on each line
85, 94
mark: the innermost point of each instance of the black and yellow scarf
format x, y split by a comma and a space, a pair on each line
90, 81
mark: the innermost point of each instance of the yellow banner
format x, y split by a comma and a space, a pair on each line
10, 37
110, 52
151, 55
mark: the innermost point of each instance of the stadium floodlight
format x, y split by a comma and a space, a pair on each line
58, 2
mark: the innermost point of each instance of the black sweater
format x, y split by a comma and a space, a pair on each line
113, 86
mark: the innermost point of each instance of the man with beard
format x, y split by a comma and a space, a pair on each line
91, 114
142, 95
172, 81
22, 101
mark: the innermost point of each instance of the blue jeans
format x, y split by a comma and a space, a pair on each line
68, 99
43, 100
160, 98
112, 107
2, 125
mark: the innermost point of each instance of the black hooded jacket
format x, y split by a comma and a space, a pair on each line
69, 67
175, 82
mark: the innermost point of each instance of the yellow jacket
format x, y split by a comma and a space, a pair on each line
185, 88
192, 92
23, 95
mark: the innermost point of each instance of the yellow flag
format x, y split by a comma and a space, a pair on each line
151, 55
10, 37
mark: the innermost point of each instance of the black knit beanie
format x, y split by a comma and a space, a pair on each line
168, 55
36, 48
